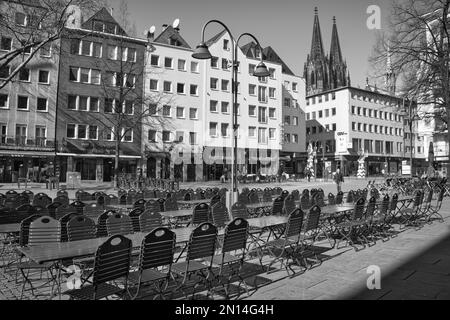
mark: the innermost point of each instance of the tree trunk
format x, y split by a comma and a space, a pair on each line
116, 165
448, 141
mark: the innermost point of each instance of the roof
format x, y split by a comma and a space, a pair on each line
216, 37
104, 16
32, 3
169, 33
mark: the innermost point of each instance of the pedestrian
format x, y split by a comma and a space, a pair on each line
338, 178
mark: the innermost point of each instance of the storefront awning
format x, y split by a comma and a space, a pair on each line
96, 156
22, 154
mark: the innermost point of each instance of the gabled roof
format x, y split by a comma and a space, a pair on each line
170, 33
32, 3
215, 38
104, 16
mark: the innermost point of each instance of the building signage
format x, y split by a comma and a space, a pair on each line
342, 142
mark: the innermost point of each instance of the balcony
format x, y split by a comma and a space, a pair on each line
23, 143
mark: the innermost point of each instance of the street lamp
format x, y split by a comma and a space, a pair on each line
407, 113
202, 52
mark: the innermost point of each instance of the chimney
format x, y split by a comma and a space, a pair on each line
112, 11
164, 26
177, 30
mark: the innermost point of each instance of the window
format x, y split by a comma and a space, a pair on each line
251, 89
213, 129
226, 44
94, 104
287, 138
86, 47
294, 86
179, 136
272, 132
272, 93
224, 129
193, 90
359, 111
252, 111
333, 111
152, 135
287, 102
167, 86
225, 85
6, 44
295, 121
180, 88
110, 105
181, 65
224, 64
22, 102
272, 73
194, 66
262, 96
262, 115
46, 50
192, 138
327, 113
130, 80
214, 83
93, 132
42, 104
98, 26
70, 131
225, 107
131, 55
97, 50
213, 106
334, 127
4, 72
193, 113
83, 103
166, 111
127, 134
320, 114
251, 69
295, 138
168, 63
313, 115
287, 120
112, 52
21, 19
180, 112
153, 85
24, 74
272, 113
214, 62
353, 109
44, 76
82, 131
262, 135
154, 60
128, 107
252, 132
4, 101
152, 109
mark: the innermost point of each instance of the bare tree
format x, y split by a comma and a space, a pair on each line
32, 25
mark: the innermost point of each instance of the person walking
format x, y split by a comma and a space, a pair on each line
338, 178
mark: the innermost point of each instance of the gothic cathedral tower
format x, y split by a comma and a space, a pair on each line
322, 72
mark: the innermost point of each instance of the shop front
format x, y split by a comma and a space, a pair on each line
34, 166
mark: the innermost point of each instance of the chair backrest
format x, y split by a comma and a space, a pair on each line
149, 220
62, 193
202, 243
384, 208
123, 199
284, 194
61, 211
239, 210
26, 209
140, 203
331, 199
80, 228
62, 199
277, 206
371, 206
41, 200
200, 214
296, 194
418, 197
267, 195
153, 205
79, 205
11, 194
157, 249
112, 200
253, 197
134, 215
236, 234
101, 223
63, 223
215, 199
339, 198
312, 219
289, 205
350, 196
220, 215
112, 260
11, 203
25, 229
294, 224
29, 194
304, 202
358, 211
22, 199
394, 201
119, 224
319, 200
149, 194
171, 204
93, 210
161, 202
44, 230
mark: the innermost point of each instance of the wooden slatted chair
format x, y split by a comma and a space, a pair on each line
331, 199
339, 198
155, 262
139, 204
62, 210
64, 200
63, 224
112, 262
149, 220
29, 194
79, 205
200, 214
220, 216
239, 210
62, 193
153, 205
93, 210
80, 227
134, 215
101, 223
200, 251
289, 205
348, 229
171, 204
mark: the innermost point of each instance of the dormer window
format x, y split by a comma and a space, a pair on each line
98, 26
226, 44
174, 42
257, 53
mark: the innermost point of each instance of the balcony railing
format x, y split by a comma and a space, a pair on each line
18, 142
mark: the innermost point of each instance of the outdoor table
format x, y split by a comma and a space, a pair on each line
175, 216
260, 205
187, 204
10, 228
337, 209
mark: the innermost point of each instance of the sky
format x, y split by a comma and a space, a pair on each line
286, 25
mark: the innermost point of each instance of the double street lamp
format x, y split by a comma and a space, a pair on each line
202, 52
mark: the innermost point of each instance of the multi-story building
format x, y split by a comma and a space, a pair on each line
99, 98
350, 122
174, 84
27, 102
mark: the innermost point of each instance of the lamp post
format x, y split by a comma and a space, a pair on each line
410, 118
202, 52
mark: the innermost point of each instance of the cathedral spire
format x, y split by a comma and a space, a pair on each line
390, 75
317, 51
335, 50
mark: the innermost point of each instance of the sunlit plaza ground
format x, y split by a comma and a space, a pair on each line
415, 264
